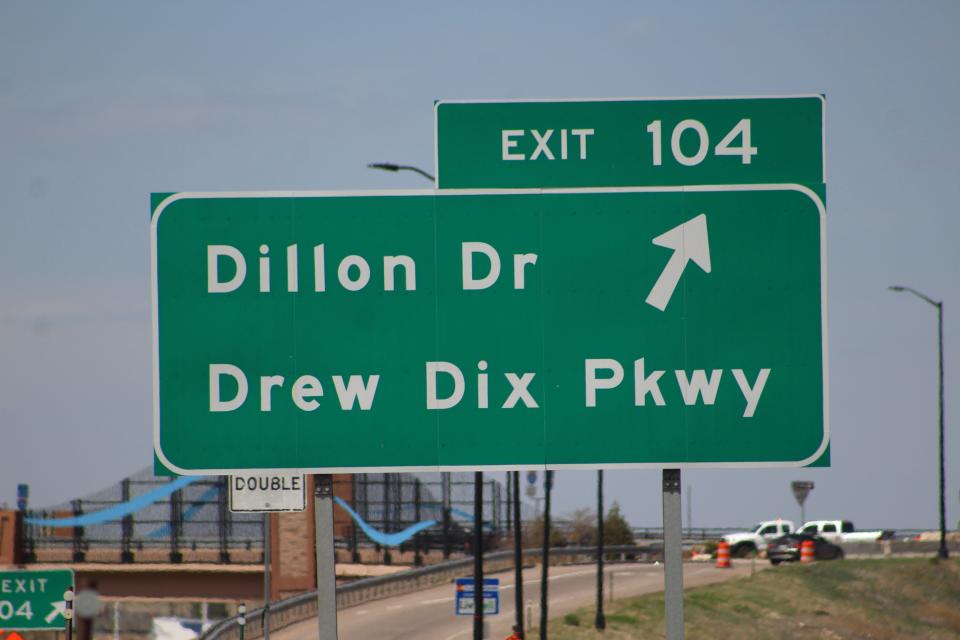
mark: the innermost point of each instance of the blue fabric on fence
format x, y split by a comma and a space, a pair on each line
468, 517
164, 531
117, 511
386, 539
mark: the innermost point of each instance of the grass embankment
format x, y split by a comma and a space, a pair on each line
879, 599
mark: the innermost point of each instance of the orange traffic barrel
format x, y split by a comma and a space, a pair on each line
723, 556
806, 551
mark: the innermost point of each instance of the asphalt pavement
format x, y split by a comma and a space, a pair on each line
429, 614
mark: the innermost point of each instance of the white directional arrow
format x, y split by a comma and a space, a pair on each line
689, 242
58, 609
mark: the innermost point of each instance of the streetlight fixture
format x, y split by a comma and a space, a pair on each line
389, 166
942, 551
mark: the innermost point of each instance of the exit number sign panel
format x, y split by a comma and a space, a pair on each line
629, 142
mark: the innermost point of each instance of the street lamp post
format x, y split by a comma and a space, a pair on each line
389, 166
942, 552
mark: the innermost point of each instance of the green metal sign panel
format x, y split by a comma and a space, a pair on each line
33, 600
629, 142
422, 330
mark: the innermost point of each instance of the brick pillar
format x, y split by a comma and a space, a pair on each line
343, 489
293, 560
10, 535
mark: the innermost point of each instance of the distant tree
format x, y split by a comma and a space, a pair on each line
616, 529
582, 527
533, 534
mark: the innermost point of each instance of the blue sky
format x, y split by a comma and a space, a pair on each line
102, 103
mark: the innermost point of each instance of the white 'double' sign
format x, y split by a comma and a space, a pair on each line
267, 492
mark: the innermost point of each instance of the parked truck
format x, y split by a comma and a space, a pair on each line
840, 531
745, 543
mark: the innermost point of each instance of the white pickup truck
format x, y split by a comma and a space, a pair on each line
747, 542
838, 531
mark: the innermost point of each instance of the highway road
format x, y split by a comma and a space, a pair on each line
429, 614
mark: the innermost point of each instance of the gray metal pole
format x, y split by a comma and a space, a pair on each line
943, 553
266, 576
326, 571
672, 554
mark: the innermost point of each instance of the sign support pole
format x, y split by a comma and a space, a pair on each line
672, 554
68, 611
266, 574
326, 571
445, 488
517, 555
600, 623
478, 555
545, 569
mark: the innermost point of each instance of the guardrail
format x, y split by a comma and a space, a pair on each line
301, 607
896, 547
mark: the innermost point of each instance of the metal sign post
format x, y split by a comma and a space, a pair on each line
326, 570
672, 554
517, 555
801, 489
600, 622
545, 569
478, 556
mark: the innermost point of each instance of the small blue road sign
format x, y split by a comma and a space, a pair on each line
491, 597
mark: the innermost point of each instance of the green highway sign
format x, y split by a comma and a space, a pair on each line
631, 327
33, 600
629, 142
